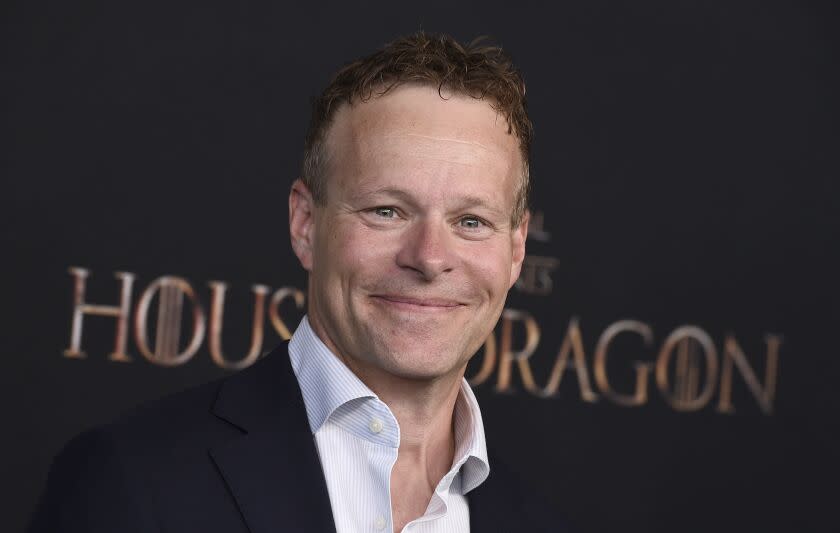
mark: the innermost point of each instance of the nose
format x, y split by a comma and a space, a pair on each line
427, 249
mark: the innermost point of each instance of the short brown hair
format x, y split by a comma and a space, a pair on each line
478, 70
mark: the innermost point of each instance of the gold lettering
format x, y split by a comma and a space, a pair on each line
536, 227
572, 345
217, 309
535, 277
274, 309
685, 396
642, 369
732, 352
120, 312
168, 331
507, 355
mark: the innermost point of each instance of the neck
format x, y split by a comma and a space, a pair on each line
424, 410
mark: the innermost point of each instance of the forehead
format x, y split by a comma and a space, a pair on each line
418, 128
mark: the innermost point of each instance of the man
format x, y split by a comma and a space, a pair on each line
410, 217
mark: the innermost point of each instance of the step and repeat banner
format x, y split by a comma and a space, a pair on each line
667, 360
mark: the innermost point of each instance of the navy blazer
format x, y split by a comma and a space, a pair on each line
233, 455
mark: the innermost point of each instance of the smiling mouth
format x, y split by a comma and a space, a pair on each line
417, 304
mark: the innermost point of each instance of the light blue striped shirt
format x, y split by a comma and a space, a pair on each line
358, 438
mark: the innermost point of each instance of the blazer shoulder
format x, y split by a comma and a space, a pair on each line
171, 430
195, 415
151, 456
88, 469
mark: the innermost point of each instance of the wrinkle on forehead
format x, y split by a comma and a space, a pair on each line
438, 138
413, 130
434, 148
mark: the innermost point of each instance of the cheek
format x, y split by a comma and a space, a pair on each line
351, 251
491, 269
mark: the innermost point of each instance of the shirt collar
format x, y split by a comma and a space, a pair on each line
330, 389
470, 443
325, 382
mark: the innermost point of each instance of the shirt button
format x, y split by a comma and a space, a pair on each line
379, 523
376, 426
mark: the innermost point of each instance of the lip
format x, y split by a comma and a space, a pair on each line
417, 304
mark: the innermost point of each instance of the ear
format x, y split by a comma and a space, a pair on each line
518, 236
302, 223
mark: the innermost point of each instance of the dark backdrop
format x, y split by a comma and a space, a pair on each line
685, 172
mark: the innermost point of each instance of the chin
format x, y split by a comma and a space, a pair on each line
423, 362
418, 350
419, 373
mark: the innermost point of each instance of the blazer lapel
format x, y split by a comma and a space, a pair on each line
272, 469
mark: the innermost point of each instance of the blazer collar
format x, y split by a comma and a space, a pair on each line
272, 469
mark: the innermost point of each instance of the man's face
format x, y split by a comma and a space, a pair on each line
412, 256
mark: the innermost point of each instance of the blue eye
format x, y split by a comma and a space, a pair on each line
385, 212
470, 223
